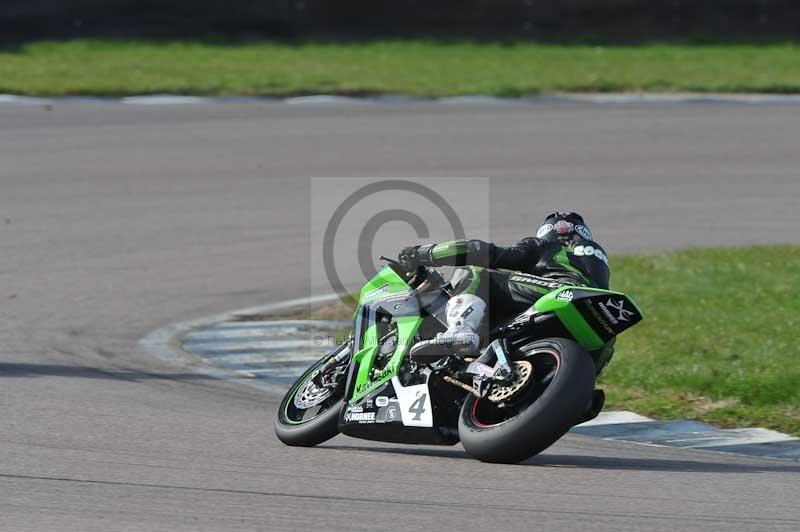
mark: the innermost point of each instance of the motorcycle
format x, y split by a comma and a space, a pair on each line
531, 383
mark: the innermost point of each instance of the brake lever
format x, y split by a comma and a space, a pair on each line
397, 266
390, 261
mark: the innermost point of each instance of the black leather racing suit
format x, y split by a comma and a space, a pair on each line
510, 279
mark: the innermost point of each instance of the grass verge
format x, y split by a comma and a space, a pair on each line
719, 339
418, 68
719, 343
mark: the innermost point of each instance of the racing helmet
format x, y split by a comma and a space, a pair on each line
563, 227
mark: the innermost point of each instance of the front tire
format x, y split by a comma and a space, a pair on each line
291, 425
553, 401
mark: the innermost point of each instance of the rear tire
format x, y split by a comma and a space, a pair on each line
542, 417
318, 429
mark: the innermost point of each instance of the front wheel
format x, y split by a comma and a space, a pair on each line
309, 413
553, 399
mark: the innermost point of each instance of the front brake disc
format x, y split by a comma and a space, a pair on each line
523, 370
311, 394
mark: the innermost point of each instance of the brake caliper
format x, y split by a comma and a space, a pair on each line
501, 381
522, 374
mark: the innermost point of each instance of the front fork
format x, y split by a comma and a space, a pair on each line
328, 374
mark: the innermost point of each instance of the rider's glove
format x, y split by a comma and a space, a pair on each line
408, 257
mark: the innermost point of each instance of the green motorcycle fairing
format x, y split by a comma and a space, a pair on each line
389, 289
592, 316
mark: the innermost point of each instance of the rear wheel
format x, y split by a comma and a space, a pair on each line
552, 400
309, 413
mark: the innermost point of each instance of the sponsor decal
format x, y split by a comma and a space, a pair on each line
596, 315
584, 231
607, 314
530, 279
378, 291
566, 295
522, 319
382, 375
391, 413
543, 230
623, 313
359, 417
381, 401
590, 251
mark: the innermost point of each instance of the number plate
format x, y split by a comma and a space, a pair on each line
415, 404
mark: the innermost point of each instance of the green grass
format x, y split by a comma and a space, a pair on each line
720, 338
421, 68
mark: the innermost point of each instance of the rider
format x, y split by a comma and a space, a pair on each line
505, 281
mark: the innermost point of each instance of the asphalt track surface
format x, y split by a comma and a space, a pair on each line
116, 220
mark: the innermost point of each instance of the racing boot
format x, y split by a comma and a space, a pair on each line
464, 315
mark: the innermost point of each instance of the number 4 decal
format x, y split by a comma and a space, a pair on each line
415, 404
418, 406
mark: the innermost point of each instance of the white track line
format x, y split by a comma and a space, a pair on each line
615, 418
